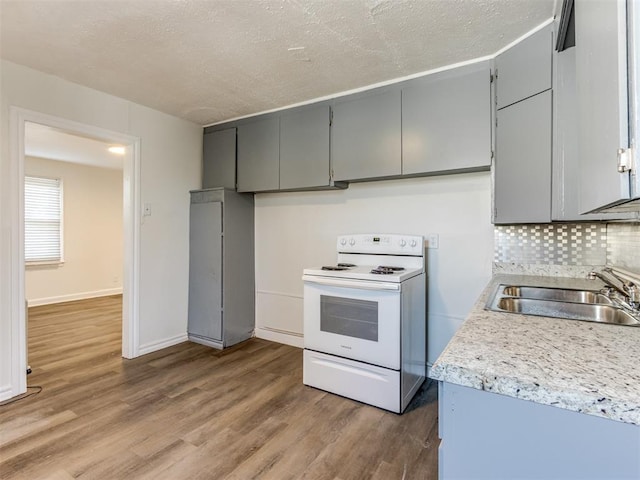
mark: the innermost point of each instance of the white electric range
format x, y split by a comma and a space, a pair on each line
365, 320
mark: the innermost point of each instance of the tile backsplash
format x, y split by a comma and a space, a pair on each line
566, 249
623, 245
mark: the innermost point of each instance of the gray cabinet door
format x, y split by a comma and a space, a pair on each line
601, 76
522, 182
503, 437
565, 197
219, 159
304, 148
366, 136
259, 155
239, 267
525, 69
446, 121
205, 270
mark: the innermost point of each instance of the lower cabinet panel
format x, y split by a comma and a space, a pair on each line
490, 436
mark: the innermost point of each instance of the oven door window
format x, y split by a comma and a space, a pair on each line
350, 317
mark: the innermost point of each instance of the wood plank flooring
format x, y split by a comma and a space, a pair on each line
192, 412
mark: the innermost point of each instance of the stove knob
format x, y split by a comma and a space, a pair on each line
403, 242
352, 242
413, 243
343, 241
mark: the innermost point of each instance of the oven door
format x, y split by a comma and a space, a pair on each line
354, 319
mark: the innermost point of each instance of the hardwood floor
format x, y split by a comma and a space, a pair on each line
191, 412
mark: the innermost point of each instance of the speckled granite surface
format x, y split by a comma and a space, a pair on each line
586, 367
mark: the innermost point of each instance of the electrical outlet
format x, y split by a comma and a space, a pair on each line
432, 240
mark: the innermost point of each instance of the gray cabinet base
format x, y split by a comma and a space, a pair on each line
490, 436
206, 341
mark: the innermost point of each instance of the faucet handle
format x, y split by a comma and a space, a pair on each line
607, 290
634, 294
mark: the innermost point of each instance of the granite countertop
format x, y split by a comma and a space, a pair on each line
585, 367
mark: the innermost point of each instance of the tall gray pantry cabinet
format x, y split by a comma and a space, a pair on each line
221, 267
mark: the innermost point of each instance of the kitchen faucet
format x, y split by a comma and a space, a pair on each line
629, 290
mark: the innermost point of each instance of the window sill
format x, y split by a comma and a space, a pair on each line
44, 263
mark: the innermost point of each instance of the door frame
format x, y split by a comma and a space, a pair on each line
131, 230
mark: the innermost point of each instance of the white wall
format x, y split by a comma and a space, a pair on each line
171, 155
298, 230
92, 234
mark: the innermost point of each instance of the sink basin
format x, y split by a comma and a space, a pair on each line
573, 311
586, 305
557, 294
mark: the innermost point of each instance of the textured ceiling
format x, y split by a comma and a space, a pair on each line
213, 60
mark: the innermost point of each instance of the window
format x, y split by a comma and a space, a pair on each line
42, 219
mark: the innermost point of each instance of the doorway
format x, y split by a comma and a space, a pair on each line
131, 230
73, 236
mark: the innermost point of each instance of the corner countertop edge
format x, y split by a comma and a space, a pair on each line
585, 367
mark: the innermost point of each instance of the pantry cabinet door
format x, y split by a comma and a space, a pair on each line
205, 271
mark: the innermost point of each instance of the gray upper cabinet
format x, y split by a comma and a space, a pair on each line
259, 155
566, 191
603, 115
366, 136
446, 121
522, 188
566, 160
304, 148
219, 159
525, 69
523, 160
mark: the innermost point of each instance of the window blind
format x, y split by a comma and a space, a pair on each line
42, 219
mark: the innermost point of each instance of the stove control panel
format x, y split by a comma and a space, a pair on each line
390, 244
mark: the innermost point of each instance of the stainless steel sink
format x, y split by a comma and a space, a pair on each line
586, 305
557, 294
573, 311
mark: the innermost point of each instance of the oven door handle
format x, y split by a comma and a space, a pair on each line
358, 284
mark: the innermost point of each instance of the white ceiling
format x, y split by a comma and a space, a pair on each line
46, 142
213, 60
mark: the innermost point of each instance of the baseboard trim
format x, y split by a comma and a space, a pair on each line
281, 336
160, 344
6, 392
74, 296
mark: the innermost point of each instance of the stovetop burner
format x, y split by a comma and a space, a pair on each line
339, 267
384, 270
380, 271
